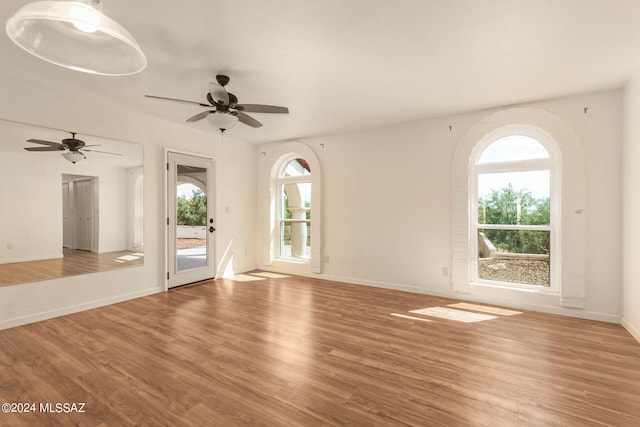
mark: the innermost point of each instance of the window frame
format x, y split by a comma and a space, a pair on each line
280, 182
515, 166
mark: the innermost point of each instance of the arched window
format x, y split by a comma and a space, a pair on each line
290, 180
565, 166
513, 204
294, 210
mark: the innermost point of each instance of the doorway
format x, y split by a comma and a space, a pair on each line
80, 212
190, 218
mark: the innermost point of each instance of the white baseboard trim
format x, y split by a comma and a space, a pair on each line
37, 317
631, 329
34, 258
562, 311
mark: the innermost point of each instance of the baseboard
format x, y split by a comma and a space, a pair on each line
384, 285
27, 259
37, 317
635, 333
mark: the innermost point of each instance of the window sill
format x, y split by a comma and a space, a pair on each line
293, 260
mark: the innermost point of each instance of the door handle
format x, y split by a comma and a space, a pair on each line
211, 229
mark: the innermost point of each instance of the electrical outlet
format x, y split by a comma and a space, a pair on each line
445, 271
9, 246
326, 258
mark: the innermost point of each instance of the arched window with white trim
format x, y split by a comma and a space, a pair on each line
513, 205
564, 162
290, 205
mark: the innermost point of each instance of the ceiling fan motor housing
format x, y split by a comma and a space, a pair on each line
72, 144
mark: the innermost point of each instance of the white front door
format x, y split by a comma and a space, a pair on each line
190, 219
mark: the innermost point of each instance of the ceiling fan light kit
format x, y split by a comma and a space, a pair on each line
222, 121
75, 34
73, 157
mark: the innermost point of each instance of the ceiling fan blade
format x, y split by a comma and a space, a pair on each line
247, 119
259, 108
233, 100
219, 93
43, 149
179, 100
200, 116
49, 143
101, 152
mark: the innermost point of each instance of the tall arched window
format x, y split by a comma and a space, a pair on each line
564, 161
290, 179
513, 212
294, 210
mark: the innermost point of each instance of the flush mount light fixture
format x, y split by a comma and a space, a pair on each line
75, 34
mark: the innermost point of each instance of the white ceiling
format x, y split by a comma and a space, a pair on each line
342, 65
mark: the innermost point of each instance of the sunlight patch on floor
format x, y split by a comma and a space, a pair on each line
460, 312
485, 309
127, 258
404, 316
269, 275
244, 278
452, 314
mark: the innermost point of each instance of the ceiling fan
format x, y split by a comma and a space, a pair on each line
73, 148
224, 108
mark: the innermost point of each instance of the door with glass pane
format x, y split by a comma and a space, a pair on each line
190, 219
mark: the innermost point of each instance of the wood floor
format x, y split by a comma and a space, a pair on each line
72, 263
291, 351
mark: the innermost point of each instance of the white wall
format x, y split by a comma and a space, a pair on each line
114, 198
631, 197
236, 182
387, 204
236, 205
28, 230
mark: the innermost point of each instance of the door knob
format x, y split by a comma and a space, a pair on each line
211, 229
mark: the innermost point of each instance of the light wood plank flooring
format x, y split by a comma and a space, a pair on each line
291, 351
72, 263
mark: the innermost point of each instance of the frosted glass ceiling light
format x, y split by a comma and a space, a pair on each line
73, 156
222, 121
75, 34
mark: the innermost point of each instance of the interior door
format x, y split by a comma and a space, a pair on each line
83, 197
67, 230
190, 219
